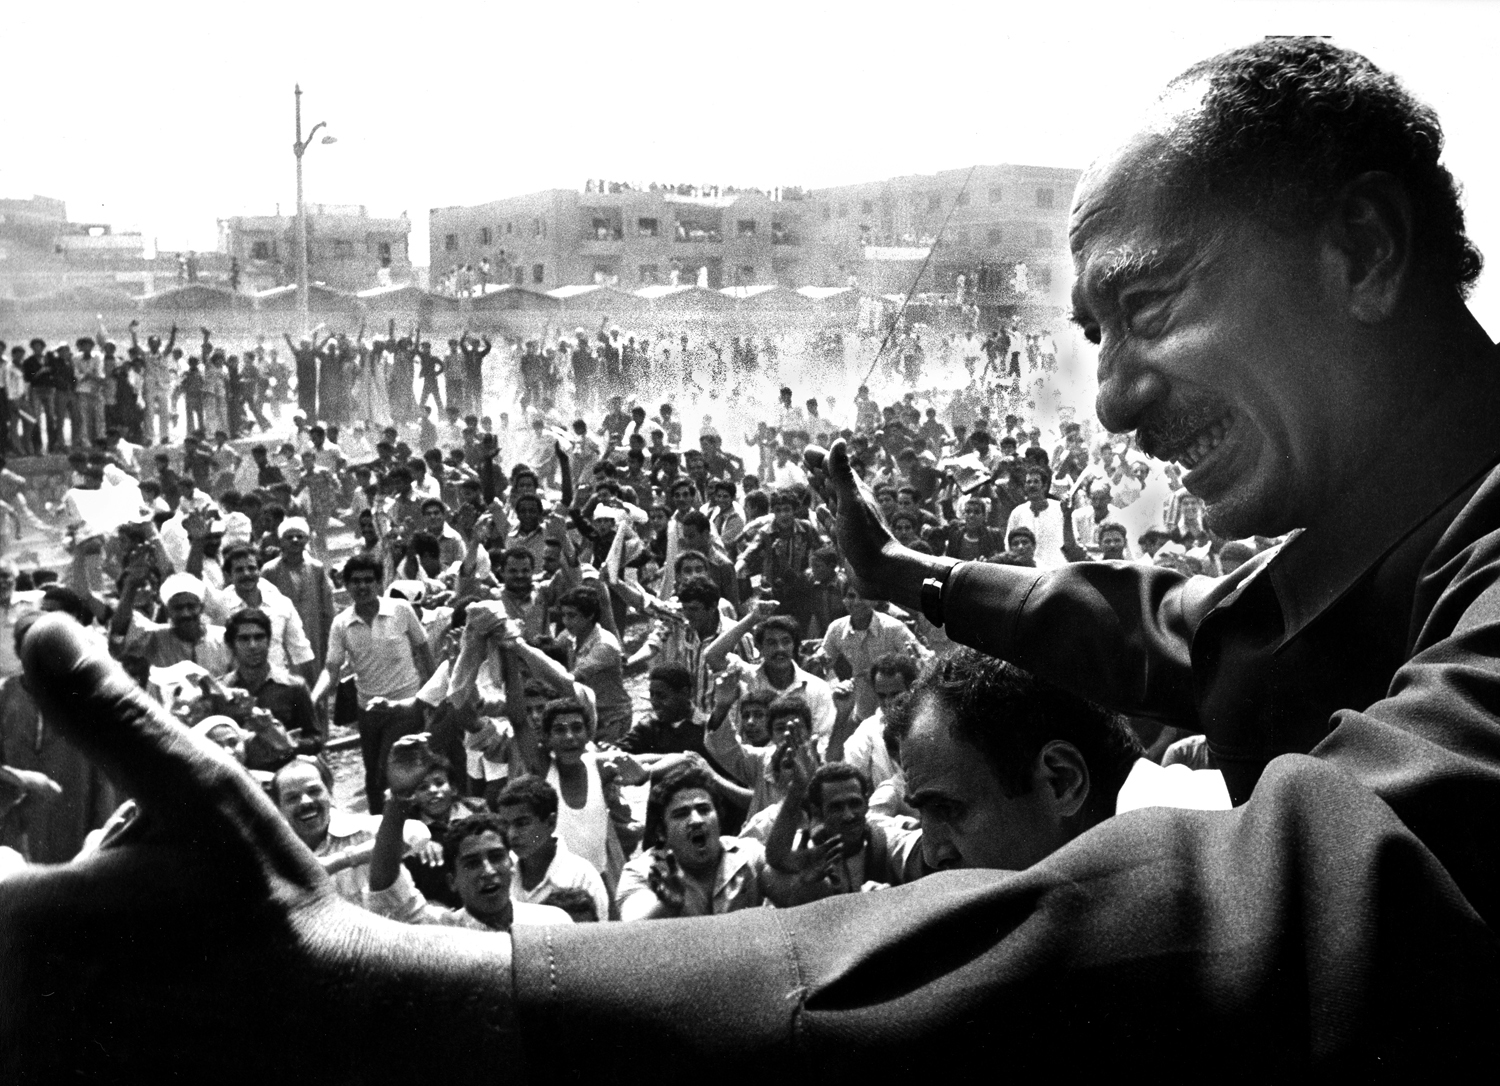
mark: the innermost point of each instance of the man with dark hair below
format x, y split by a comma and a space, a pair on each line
385, 645
276, 690
686, 868
847, 851
1004, 769
544, 867
869, 747
476, 856
1274, 268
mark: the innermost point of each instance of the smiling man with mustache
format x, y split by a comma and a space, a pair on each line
1274, 268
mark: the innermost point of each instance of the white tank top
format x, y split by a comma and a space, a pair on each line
586, 828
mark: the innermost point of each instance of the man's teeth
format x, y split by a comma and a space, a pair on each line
1209, 439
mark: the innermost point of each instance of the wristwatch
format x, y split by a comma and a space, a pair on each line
932, 596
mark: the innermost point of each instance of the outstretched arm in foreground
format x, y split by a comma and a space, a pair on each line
209, 928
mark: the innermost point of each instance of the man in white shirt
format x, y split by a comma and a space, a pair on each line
386, 647
527, 807
891, 677
290, 648
778, 673
790, 418
1042, 516
862, 637
475, 856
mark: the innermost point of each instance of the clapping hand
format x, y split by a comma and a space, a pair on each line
665, 880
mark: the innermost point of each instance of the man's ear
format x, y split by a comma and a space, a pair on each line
1368, 246
1062, 770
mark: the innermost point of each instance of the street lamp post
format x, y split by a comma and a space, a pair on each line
299, 148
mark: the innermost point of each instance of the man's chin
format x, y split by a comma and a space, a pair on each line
1239, 516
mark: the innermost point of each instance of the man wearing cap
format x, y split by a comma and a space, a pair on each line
184, 637
305, 582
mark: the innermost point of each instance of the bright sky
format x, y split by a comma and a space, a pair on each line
165, 117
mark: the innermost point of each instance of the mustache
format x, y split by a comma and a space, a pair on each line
1174, 431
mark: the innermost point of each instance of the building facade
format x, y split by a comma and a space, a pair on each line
874, 235
42, 252
623, 237
878, 233
348, 249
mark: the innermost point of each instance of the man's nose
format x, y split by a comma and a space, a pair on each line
1127, 390
938, 850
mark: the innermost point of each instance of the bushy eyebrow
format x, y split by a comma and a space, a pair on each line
1122, 267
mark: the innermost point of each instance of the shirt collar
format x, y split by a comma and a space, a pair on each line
1315, 569
385, 608
735, 858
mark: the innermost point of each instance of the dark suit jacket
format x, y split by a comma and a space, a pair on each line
1339, 921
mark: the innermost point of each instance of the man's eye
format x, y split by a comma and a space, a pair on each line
1143, 311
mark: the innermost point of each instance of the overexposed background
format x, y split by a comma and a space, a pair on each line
165, 117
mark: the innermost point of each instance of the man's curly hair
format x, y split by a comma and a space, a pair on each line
1286, 123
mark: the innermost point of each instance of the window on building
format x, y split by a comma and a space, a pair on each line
536, 227
962, 200
647, 228
343, 248
263, 250
508, 226
650, 274
450, 243
1044, 196
997, 193
745, 228
383, 251
867, 207
744, 275
994, 235
1043, 237
934, 201
538, 273
484, 235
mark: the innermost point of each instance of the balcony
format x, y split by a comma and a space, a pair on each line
696, 232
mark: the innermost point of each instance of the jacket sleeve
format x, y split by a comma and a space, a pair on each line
1114, 632
1340, 922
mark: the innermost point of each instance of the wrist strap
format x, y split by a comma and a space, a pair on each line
932, 596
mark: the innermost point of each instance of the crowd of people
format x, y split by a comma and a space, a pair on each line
474, 603
1274, 269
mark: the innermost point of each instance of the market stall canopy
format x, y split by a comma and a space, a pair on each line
508, 296
74, 311
684, 300
320, 298
190, 298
